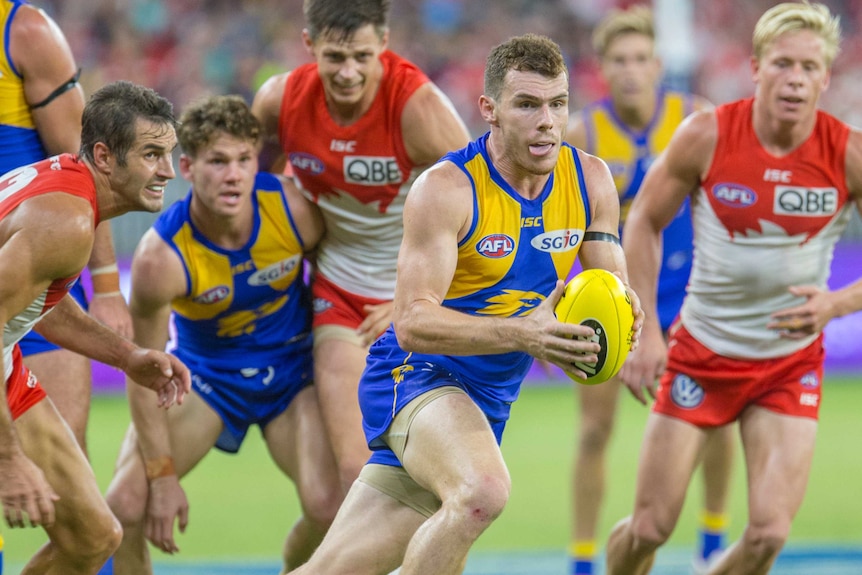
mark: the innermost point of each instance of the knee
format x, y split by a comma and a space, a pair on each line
129, 505
594, 435
764, 542
480, 502
101, 538
319, 506
648, 533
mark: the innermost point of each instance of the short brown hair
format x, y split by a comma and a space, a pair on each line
527, 53
205, 119
634, 20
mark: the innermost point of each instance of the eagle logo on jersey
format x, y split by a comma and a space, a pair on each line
399, 372
512, 303
244, 322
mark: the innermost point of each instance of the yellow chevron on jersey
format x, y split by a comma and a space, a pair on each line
14, 110
516, 248
208, 272
629, 153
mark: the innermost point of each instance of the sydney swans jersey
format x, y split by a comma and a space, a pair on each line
508, 263
762, 224
64, 174
629, 154
357, 174
19, 140
241, 305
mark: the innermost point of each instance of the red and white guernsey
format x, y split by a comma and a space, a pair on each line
358, 174
762, 224
62, 173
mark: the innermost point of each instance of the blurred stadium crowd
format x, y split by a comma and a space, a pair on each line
188, 48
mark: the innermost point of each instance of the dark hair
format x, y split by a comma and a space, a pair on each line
111, 114
345, 18
527, 53
205, 119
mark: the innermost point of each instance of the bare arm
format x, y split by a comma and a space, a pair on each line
431, 127
306, 214
266, 106
821, 305
436, 215
674, 175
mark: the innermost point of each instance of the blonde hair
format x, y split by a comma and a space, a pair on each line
636, 19
793, 17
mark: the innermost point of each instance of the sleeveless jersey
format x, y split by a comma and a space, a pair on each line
509, 261
19, 141
63, 173
762, 224
358, 174
629, 154
243, 305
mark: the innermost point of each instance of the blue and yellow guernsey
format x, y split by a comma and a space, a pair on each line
241, 305
508, 263
19, 141
629, 154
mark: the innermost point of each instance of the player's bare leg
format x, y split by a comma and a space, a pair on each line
778, 454
338, 365
85, 532
298, 445
67, 379
194, 428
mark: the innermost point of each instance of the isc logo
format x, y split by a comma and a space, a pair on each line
734, 195
496, 246
371, 170
793, 201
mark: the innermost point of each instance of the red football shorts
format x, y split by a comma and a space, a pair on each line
22, 389
335, 306
708, 390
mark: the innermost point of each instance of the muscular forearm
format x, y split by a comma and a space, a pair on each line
68, 326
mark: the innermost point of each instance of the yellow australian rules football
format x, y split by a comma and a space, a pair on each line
598, 299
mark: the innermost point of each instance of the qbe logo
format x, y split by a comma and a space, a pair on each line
796, 201
685, 392
371, 170
496, 246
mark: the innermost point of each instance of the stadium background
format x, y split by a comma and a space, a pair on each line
188, 48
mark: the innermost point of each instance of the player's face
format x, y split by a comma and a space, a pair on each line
349, 69
631, 69
791, 74
149, 167
222, 175
531, 115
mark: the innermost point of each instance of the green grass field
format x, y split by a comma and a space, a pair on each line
241, 507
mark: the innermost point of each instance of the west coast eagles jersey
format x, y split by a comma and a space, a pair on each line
629, 154
241, 305
508, 263
19, 140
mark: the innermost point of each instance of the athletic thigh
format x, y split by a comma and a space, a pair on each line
298, 444
67, 379
450, 443
338, 365
49, 443
670, 451
778, 453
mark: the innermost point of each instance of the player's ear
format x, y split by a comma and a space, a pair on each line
488, 110
307, 42
102, 157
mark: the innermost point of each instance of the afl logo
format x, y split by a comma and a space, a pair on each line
734, 195
496, 246
809, 380
685, 392
306, 163
214, 295
600, 338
